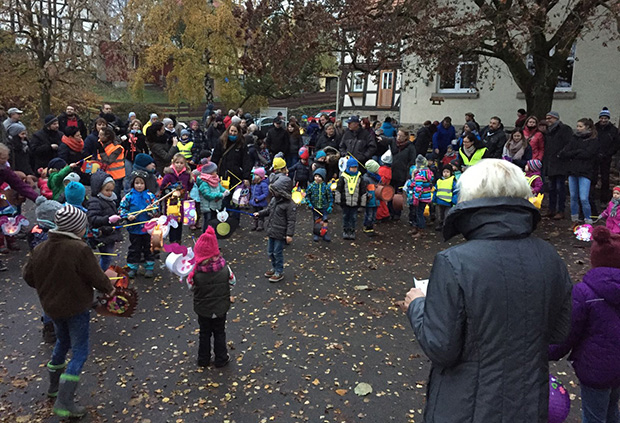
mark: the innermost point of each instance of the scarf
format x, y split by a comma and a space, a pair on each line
401, 144
469, 151
214, 264
515, 149
614, 208
73, 144
110, 198
585, 134
212, 180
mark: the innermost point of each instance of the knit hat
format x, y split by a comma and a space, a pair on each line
209, 168
74, 193
72, 177
554, 114
616, 189
206, 246
320, 154
185, 132
471, 125
167, 121
605, 250
15, 129
351, 163
153, 116
321, 172
372, 166
421, 161
235, 120
49, 119
260, 172
131, 114
56, 163
138, 174
386, 158
46, 212
605, 112
279, 163
304, 153
143, 160
534, 165
70, 131
70, 219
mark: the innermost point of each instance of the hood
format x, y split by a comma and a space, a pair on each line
492, 218
282, 186
605, 281
96, 181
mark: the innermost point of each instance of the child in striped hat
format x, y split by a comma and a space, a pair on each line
533, 169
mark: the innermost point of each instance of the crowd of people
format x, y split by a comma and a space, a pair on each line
227, 161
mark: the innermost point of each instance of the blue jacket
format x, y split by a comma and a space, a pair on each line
260, 192
443, 138
319, 196
441, 202
372, 179
388, 129
133, 202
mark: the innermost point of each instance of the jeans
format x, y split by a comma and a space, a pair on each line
579, 187
416, 215
139, 246
600, 405
275, 250
216, 327
105, 260
127, 179
557, 193
316, 216
72, 334
349, 218
176, 234
440, 213
370, 216
206, 217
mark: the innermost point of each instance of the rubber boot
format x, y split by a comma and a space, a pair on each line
65, 405
148, 267
54, 370
133, 270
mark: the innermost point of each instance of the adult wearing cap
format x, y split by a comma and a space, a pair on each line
45, 142
609, 144
557, 137
15, 116
68, 119
357, 142
71, 150
278, 139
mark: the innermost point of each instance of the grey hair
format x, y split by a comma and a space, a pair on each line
491, 178
4, 148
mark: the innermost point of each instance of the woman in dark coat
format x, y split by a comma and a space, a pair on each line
71, 150
157, 141
493, 306
44, 143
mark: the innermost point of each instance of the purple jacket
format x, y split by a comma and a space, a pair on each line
594, 339
7, 175
613, 223
260, 192
172, 178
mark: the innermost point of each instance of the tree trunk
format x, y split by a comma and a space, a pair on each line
539, 99
45, 100
208, 89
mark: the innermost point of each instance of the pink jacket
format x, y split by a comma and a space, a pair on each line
537, 141
613, 223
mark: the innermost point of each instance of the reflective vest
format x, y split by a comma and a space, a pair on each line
532, 179
444, 189
352, 189
186, 149
478, 154
116, 169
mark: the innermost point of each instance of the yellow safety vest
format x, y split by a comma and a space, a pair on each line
444, 189
475, 158
186, 149
532, 179
351, 182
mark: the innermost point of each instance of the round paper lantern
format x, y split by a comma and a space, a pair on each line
559, 401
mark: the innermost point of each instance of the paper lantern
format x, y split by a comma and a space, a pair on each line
559, 401
180, 264
189, 212
583, 232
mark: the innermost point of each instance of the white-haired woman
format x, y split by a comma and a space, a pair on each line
493, 305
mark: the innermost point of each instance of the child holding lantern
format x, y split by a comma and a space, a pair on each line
177, 175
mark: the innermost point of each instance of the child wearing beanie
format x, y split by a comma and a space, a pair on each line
445, 195
611, 212
371, 180
300, 171
594, 339
258, 197
533, 169
321, 201
75, 193
211, 280
64, 272
419, 193
211, 192
185, 145
351, 188
146, 163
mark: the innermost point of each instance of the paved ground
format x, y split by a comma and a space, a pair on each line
300, 347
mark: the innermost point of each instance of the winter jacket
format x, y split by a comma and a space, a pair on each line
41, 150
359, 144
213, 136
371, 181
300, 173
55, 181
388, 129
401, 163
493, 306
200, 143
443, 138
319, 196
612, 223
594, 339
134, 201
536, 139
420, 186
210, 197
91, 143
232, 158
384, 144
423, 139
295, 143
161, 151
260, 192
282, 211
581, 155
63, 121
609, 139
527, 155
20, 155
68, 155
99, 212
64, 272
278, 141
494, 141
557, 137
212, 293
7, 175
440, 197
134, 145
351, 192
151, 180
325, 141
535, 181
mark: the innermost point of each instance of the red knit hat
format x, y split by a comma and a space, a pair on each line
605, 248
617, 189
206, 246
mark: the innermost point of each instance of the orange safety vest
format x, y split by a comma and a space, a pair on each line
116, 169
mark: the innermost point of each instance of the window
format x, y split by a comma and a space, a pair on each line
357, 82
565, 78
459, 79
386, 82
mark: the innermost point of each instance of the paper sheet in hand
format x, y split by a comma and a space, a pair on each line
421, 284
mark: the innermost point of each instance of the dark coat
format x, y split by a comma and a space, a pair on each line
161, 152
282, 211
68, 155
99, 212
212, 293
401, 162
494, 141
233, 158
62, 124
278, 141
423, 140
443, 138
300, 173
557, 137
91, 143
325, 141
609, 139
20, 155
135, 148
358, 143
594, 339
493, 306
581, 155
41, 147
260, 193
213, 136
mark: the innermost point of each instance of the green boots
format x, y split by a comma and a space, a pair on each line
55, 370
64, 406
